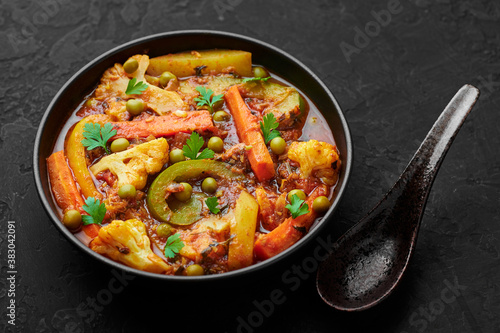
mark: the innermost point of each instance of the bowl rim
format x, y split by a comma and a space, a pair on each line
312, 234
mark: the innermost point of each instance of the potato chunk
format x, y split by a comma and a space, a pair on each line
242, 228
184, 64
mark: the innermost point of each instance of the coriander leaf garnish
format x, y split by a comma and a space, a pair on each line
95, 136
135, 88
206, 153
269, 127
206, 98
212, 204
193, 146
252, 79
174, 245
96, 210
298, 206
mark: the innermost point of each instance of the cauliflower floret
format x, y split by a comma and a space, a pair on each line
143, 61
162, 101
158, 99
115, 80
128, 243
313, 156
132, 166
117, 109
114, 83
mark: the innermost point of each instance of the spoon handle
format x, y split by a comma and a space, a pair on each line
422, 169
369, 260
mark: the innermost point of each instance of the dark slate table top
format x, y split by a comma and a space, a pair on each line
391, 86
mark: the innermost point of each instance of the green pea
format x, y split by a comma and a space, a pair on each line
166, 77
130, 66
321, 204
119, 145
221, 116
299, 193
135, 106
176, 155
185, 194
259, 71
194, 270
216, 144
209, 185
127, 191
72, 219
278, 145
164, 230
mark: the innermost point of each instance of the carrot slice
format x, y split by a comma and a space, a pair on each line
289, 232
167, 125
65, 191
272, 211
91, 230
249, 132
63, 185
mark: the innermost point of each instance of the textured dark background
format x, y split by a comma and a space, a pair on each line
391, 91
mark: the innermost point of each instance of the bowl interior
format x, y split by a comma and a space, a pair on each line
83, 82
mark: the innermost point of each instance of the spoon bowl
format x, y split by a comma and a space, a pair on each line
369, 260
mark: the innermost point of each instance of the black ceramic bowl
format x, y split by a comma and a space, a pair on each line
281, 63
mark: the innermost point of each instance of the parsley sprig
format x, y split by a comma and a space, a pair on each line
212, 204
253, 79
298, 206
97, 136
96, 210
269, 127
206, 98
174, 245
135, 88
193, 146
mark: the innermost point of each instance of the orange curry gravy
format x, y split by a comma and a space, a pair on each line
209, 249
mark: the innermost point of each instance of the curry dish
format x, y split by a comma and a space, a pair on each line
193, 163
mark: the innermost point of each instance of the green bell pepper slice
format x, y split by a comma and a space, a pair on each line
190, 211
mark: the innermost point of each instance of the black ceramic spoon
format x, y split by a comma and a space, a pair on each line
369, 260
